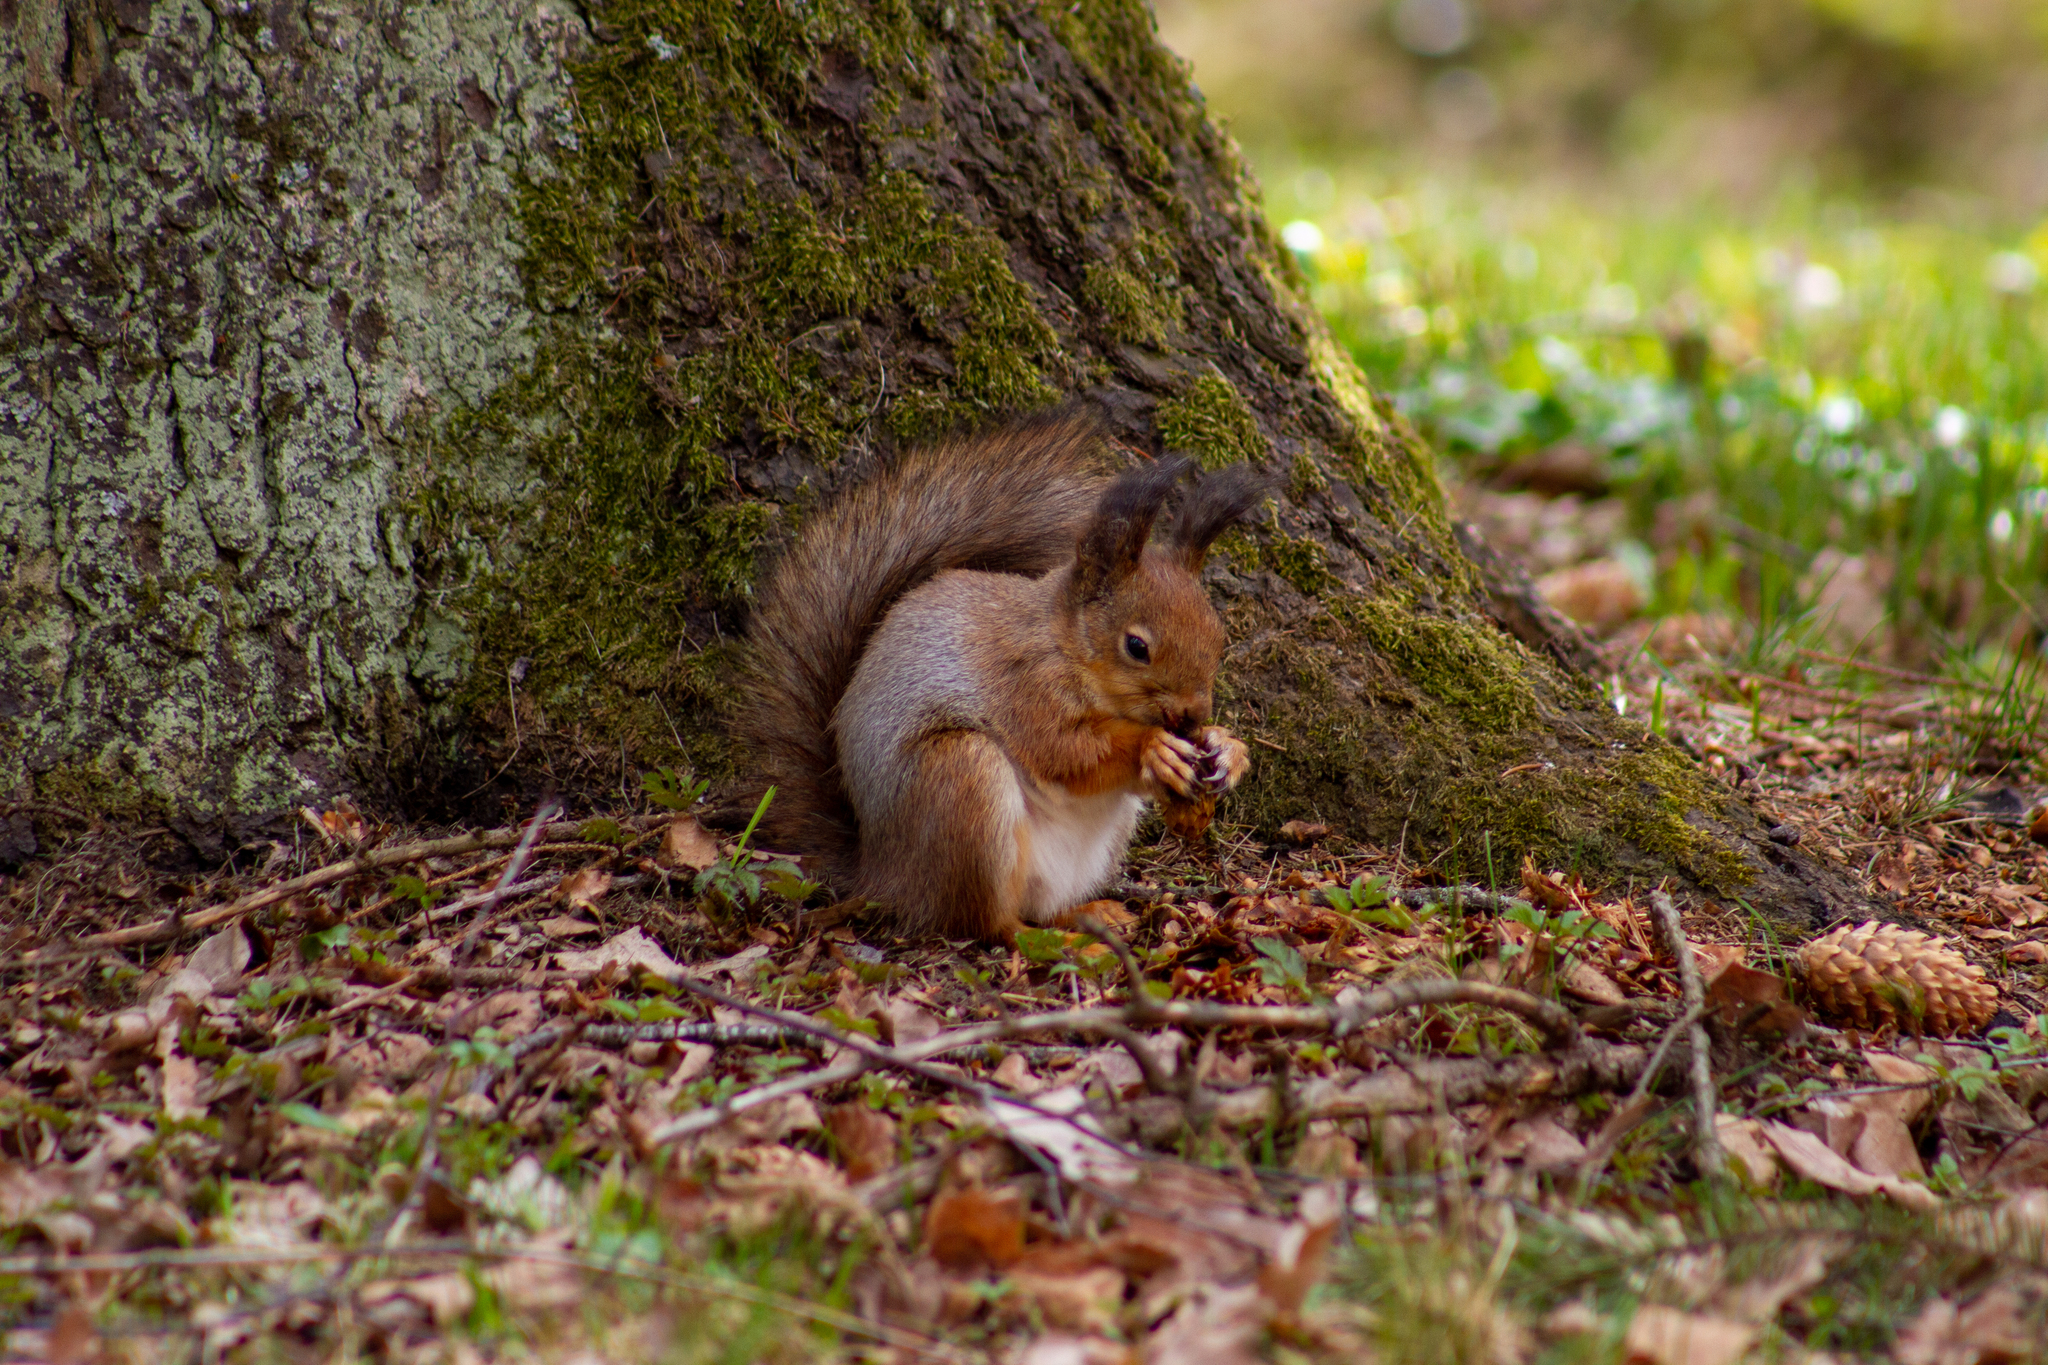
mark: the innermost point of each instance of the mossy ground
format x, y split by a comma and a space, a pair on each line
1424, 724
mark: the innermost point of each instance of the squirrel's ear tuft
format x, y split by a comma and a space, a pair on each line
1115, 535
1211, 506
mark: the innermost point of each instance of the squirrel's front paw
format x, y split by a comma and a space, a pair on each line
1225, 760
1171, 763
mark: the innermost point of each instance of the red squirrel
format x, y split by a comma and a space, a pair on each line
972, 670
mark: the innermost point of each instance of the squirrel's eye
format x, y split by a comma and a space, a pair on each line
1139, 651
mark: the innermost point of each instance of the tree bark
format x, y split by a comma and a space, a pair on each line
402, 399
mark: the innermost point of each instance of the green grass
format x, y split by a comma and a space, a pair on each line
1760, 387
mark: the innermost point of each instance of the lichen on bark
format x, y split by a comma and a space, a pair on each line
244, 248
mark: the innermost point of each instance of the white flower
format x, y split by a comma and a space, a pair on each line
1816, 288
1840, 415
2012, 272
1951, 427
1303, 236
1612, 305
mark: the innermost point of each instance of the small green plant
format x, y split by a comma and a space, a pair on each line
480, 1049
264, 993
1364, 893
1565, 934
407, 887
1281, 965
739, 880
1068, 954
671, 791
314, 946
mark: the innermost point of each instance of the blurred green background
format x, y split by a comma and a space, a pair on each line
1722, 312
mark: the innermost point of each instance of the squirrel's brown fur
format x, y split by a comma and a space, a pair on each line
1009, 501
971, 670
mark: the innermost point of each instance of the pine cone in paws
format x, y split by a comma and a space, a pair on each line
1876, 974
1188, 816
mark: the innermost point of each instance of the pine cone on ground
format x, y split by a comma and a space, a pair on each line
1878, 974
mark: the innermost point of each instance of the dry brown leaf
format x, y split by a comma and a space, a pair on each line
73, 1339
1549, 892
568, 926
1670, 1336
1326, 1151
538, 1283
865, 1137
973, 1229
2015, 904
1744, 1140
628, 952
768, 1124
26, 1191
1715, 958
686, 843
1754, 1003
1081, 1301
342, 824
447, 1295
1056, 1348
1014, 1074
222, 959
1073, 1143
904, 1022
1541, 1144
1302, 833
513, 1014
1808, 1156
180, 1082
1110, 912
1214, 1325
583, 888
739, 967
1758, 1300
1600, 595
1872, 1130
1295, 1261
1893, 871
1988, 1331
1587, 982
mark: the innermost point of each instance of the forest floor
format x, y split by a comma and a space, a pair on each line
602, 1088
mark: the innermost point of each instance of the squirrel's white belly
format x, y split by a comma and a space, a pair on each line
1076, 842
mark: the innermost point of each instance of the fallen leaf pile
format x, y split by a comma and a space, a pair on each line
623, 1086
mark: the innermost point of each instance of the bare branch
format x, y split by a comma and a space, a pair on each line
1706, 1143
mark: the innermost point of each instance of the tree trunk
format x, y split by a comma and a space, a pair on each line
402, 399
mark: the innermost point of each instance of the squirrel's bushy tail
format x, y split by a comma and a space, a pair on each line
1011, 500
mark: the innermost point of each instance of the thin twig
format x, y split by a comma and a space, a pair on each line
902, 1059
513, 867
376, 997
1706, 1143
668, 1031
200, 1258
369, 861
1901, 674
1468, 899
1555, 1022
702, 1120
1630, 1111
